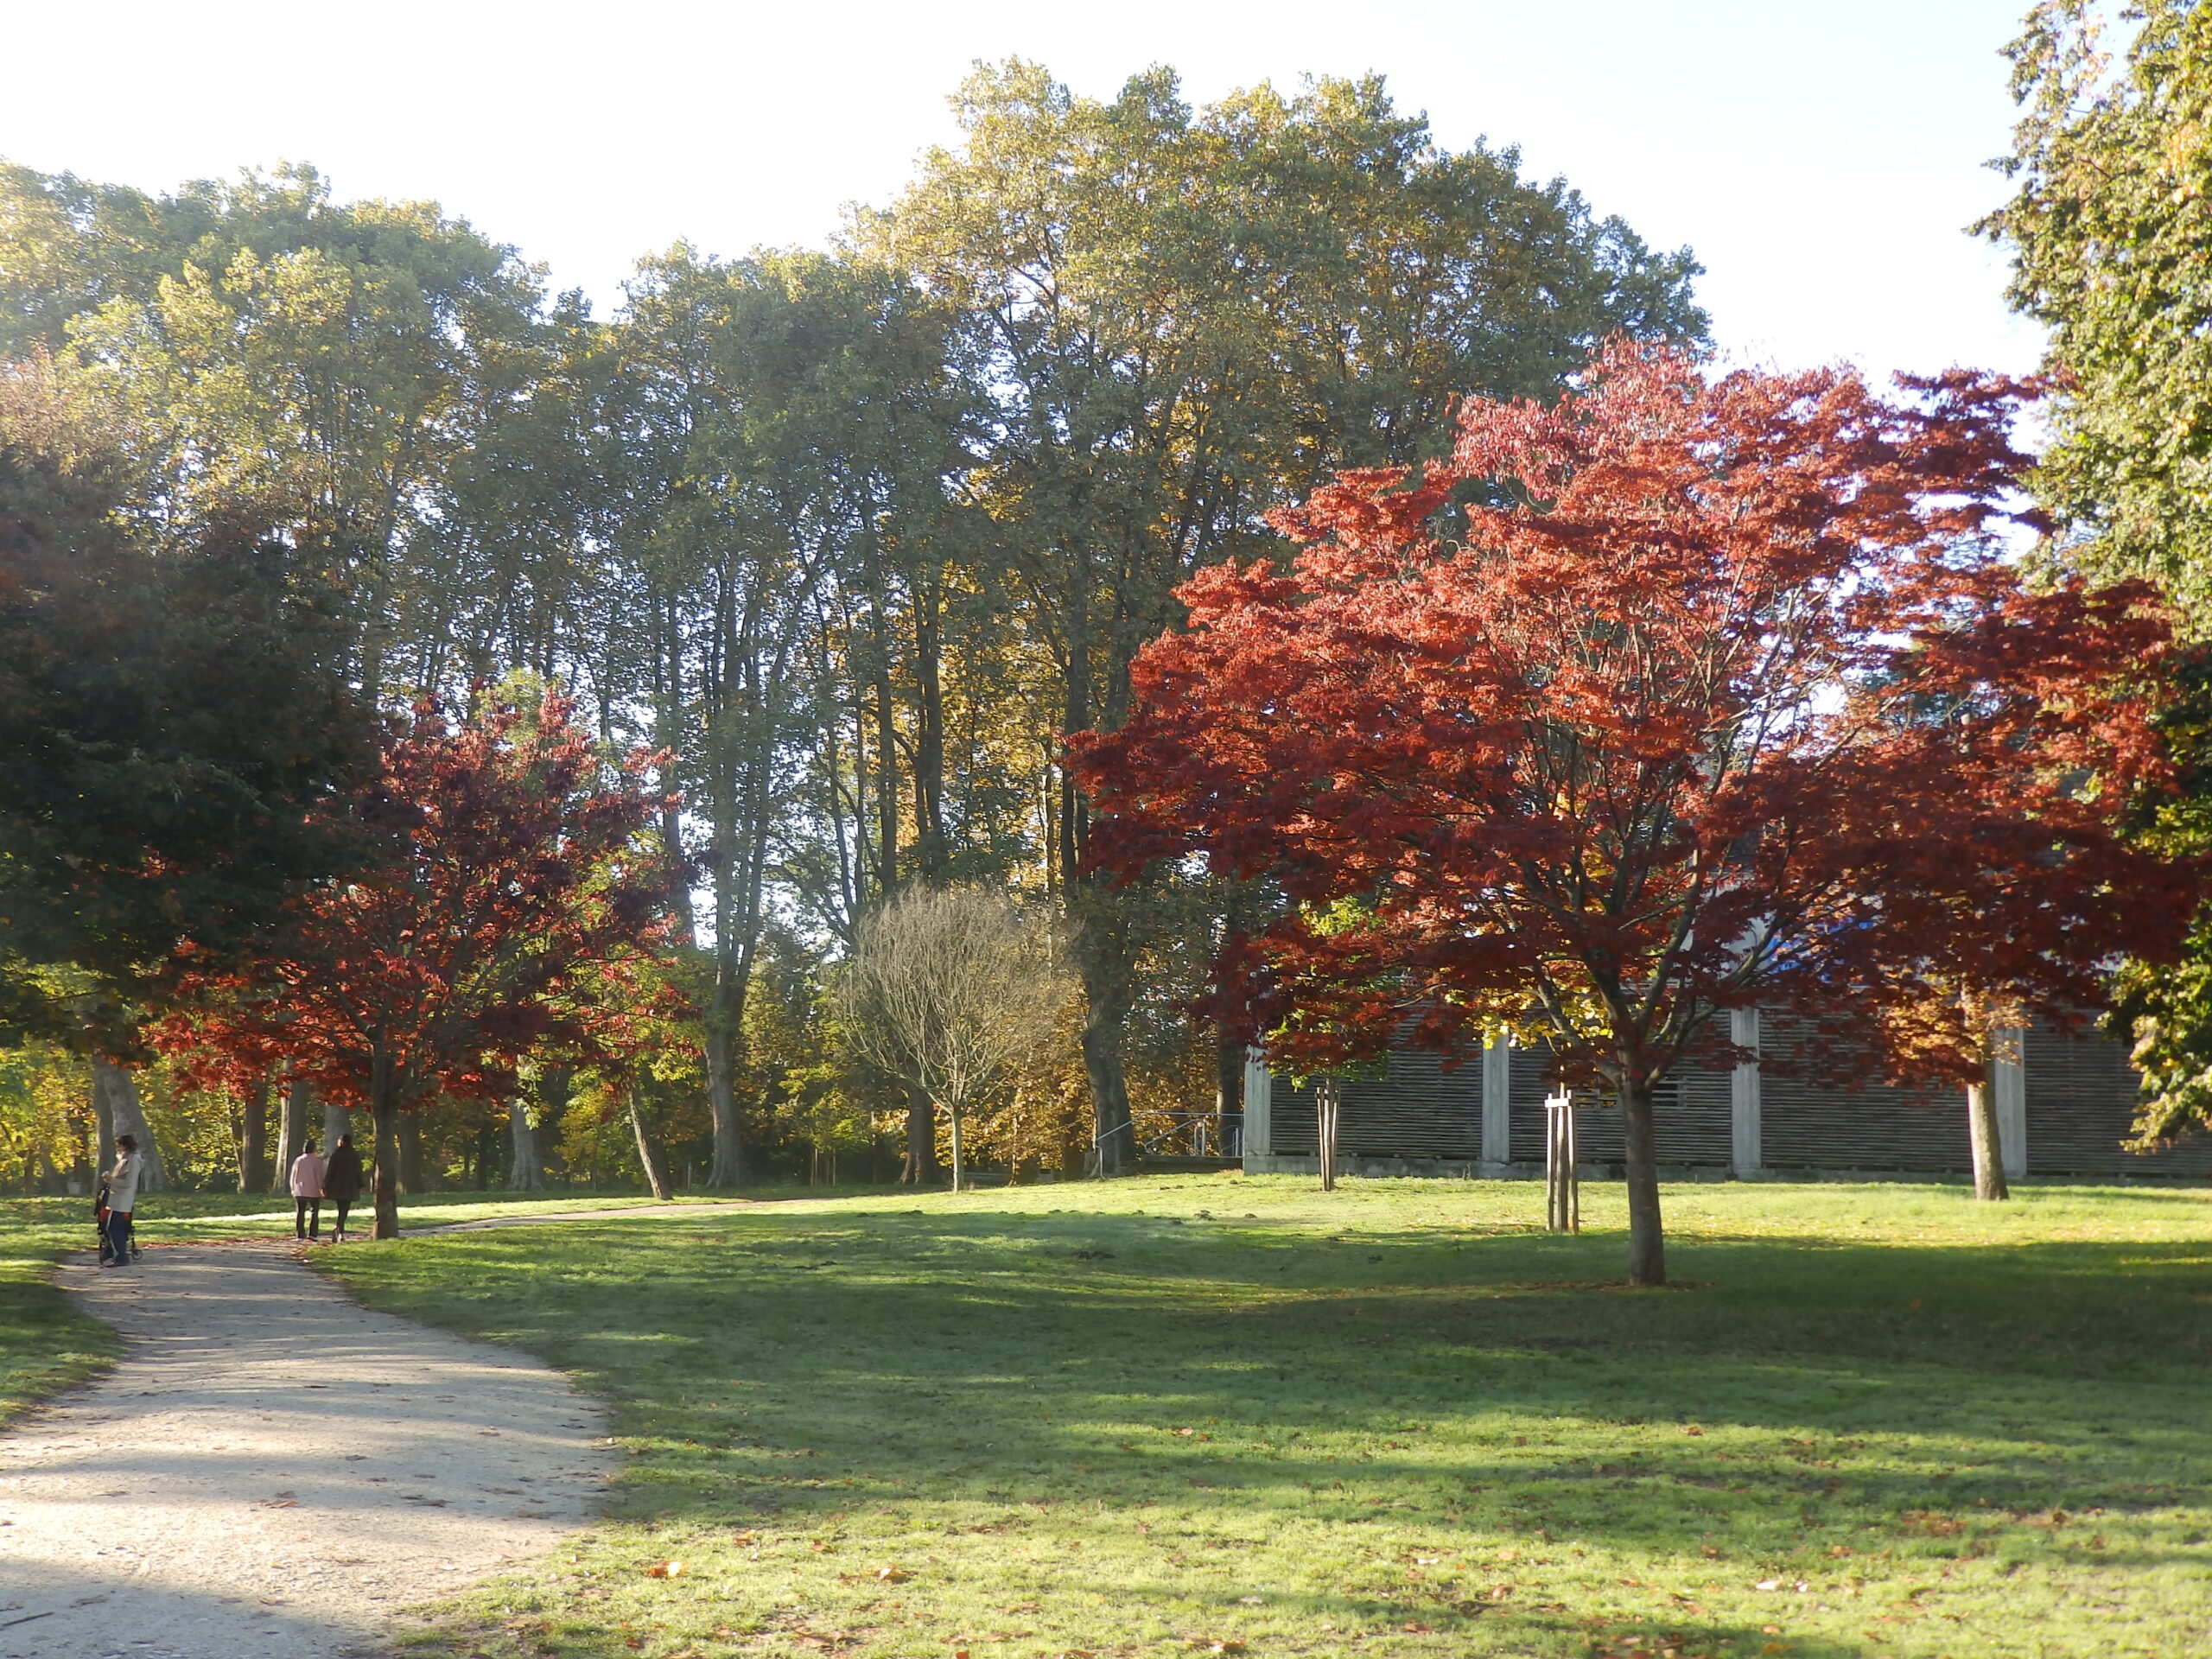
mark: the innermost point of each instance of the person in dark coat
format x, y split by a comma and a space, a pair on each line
341, 1178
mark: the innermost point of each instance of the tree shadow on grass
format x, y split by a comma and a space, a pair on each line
1813, 1414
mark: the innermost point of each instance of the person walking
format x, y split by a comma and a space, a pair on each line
122, 1200
341, 1181
307, 1194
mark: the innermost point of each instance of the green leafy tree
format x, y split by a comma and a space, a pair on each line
169, 714
1178, 319
2112, 247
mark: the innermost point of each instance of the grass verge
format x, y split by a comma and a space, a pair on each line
47, 1345
1220, 1414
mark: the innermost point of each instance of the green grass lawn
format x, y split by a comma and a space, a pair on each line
47, 1345
1219, 1414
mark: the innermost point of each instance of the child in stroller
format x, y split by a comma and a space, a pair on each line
99, 1221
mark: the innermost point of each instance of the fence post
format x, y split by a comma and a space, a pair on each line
1324, 1124
1562, 1184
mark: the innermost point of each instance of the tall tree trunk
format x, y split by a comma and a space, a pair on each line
1988, 1149
102, 1129
1647, 1243
527, 1173
726, 1167
649, 1159
933, 847
1109, 992
959, 1164
383, 1114
291, 1134
920, 1168
336, 1120
253, 1137
410, 1155
126, 1117
487, 1148
1228, 1093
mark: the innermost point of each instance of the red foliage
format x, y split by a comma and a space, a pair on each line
516, 884
1726, 695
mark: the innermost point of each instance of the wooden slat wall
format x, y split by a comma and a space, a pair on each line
2081, 1100
1802, 1126
1689, 1117
1419, 1110
2081, 1094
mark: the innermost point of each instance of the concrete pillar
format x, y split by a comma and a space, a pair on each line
1745, 1152
1259, 1114
1498, 1100
2011, 1079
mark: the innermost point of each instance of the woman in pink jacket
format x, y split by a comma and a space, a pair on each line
307, 1194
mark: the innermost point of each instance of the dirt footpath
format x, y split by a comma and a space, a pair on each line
272, 1470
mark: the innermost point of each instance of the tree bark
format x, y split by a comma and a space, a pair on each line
291, 1134
410, 1155
103, 1130
920, 1168
527, 1173
1988, 1150
126, 1117
1110, 991
655, 1177
383, 1113
253, 1137
1227, 1094
728, 1167
959, 1166
1647, 1244
336, 1120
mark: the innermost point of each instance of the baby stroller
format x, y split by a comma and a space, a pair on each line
99, 1220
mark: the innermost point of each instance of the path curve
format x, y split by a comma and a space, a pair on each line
275, 1470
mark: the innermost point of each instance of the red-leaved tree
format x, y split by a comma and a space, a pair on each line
1723, 694
513, 874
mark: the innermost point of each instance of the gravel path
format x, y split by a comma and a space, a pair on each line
273, 1470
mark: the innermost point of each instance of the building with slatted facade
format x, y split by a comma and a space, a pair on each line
2065, 1109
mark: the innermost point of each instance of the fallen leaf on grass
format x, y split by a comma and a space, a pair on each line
664, 1570
891, 1575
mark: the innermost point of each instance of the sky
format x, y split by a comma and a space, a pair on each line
1822, 157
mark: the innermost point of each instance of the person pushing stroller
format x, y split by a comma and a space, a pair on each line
118, 1198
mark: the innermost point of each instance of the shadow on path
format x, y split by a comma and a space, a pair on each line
273, 1469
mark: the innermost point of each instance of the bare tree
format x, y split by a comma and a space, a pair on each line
948, 989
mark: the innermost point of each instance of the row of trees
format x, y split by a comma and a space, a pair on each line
1624, 697
845, 540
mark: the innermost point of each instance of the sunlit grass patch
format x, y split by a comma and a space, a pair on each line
1174, 1415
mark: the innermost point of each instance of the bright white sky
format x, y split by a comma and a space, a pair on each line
1822, 156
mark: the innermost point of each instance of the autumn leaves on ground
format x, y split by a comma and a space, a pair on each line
1226, 1415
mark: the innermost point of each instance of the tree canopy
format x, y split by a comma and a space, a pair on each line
513, 874
1671, 696
172, 715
